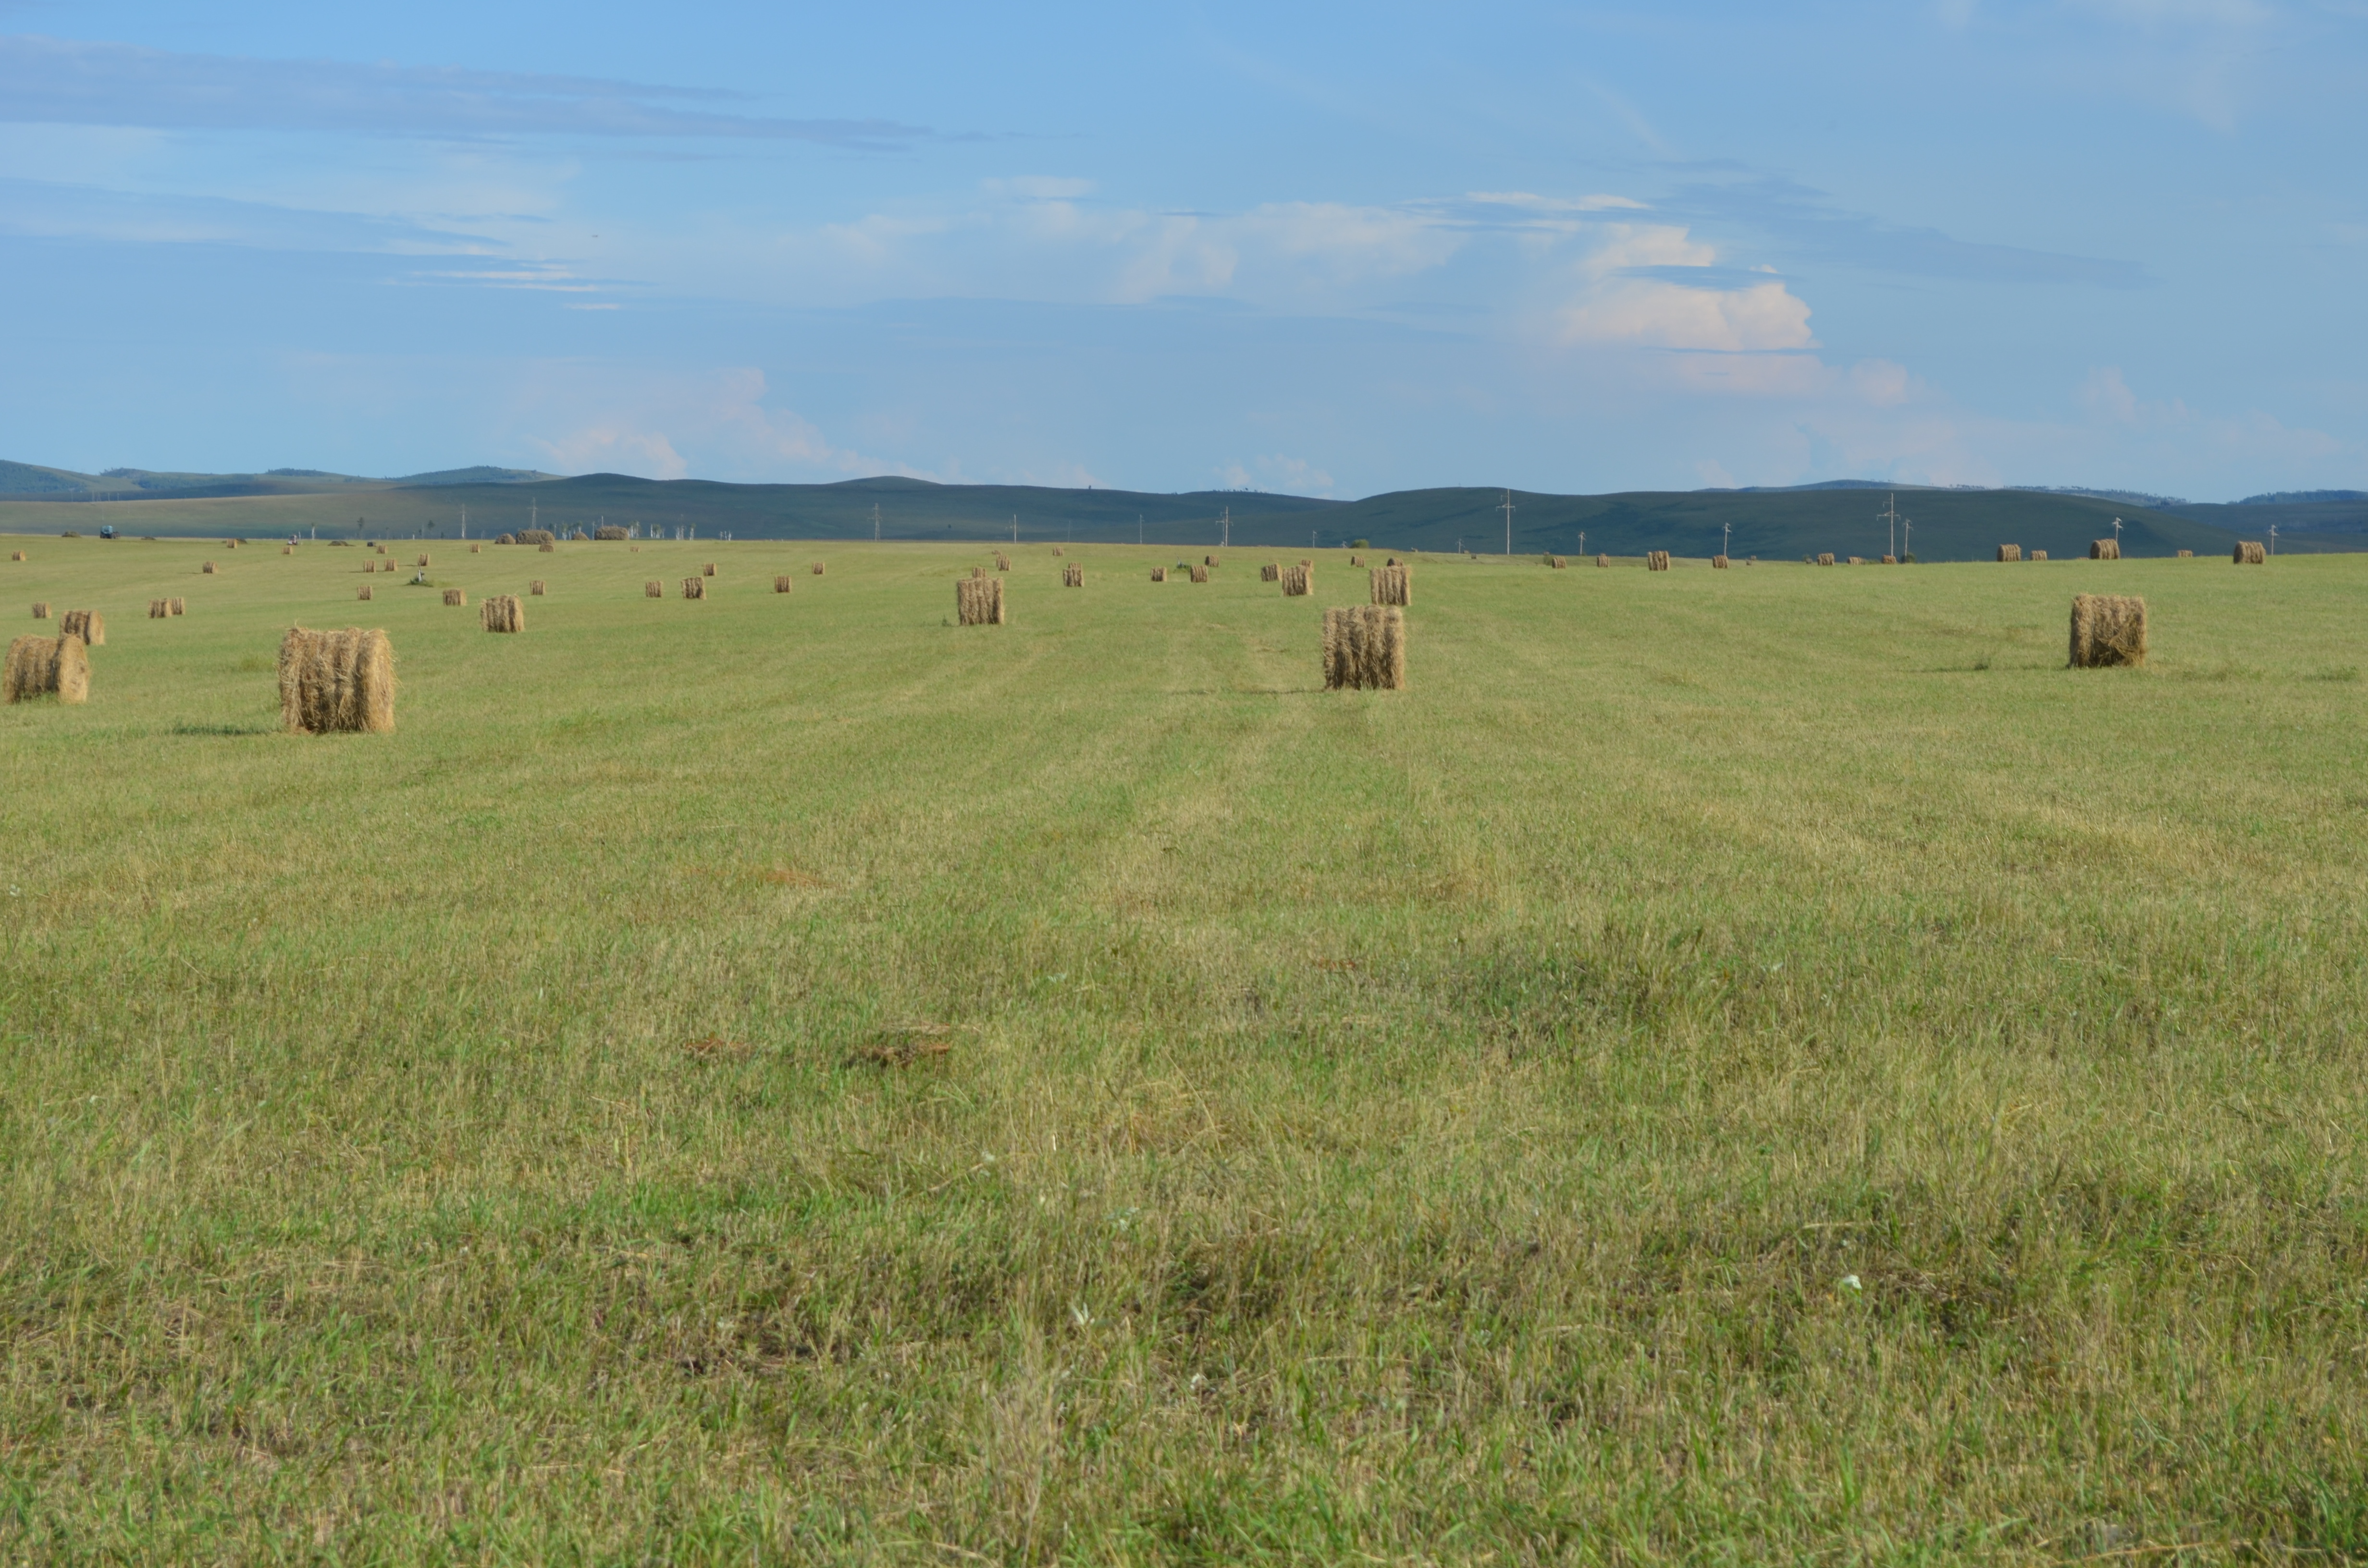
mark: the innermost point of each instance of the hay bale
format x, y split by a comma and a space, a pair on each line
1073, 575
156, 610
476, 549
287, 550
46, 667
1855, 560
1298, 582
1356, 561
455, 600
978, 570
1718, 562
370, 567
653, 589
1365, 648
2104, 550
609, 533
1159, 574
1603, 561
634, 549
534, 587
207, 570
1391, 584
708, 570
1057, 551
337, 682
16, 555
535, 536
502, 612
2250, 554
41, 609
2187, 555
423, 561
178, 605
1270, 572
546, 549
1559, 565
364, 592
1891, 560
1200, 574
694, 587
2039, 555
86, 624
1826, 558
2009, 553
817, 569
505, 538
979, 600
2107, 628
783, 583
1205, 560
1656, 561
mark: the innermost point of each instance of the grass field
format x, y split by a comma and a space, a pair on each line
1741, 1066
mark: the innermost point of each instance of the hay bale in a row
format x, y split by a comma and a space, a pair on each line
783, 582
694, 587
534, 536
1002, 561
653, 589
2250, 553
1298, 582
455, 600
1391, 584
423, 561
1557, 562
817, 568
1057, 551
1365, 648
16, 555
1856, 560
476, 549
1073, 575
1656, 561
2039, 555
1270, 572
206, 570
2107, 628
1159, 574
979, 601
1603, 561
1826, 558
546, 549
1205, 560
2104, 550
1891, 560
86, 624
534, 587
1718, 562
336, 681
708, 570
2187, 555
1200, 574
502, 612
365, 593
609, 533
2009, 553
370, 567
46, 667
157, 610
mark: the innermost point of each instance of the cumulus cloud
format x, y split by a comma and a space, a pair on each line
1636, 292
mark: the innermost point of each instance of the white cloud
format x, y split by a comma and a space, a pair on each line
1615, 306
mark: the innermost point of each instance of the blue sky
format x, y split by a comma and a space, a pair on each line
1333, 249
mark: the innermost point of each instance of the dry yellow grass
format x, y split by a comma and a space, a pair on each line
2250, 552
46, 667
1365, 648
1299, 581
336, 681
86, 624
2104, 550
1391, 584
454, 598
979, 600
2107, 629
502, 612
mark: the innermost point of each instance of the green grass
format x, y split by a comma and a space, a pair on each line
787, 1079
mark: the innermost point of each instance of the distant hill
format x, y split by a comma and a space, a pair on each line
30, 481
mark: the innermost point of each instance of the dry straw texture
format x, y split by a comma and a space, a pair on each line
2104, 550
1391, 584
1826, 559
364, 592
178, 605
708, 570
783, 582
1718, 562
2187, 555
2039, 555
1356, 561
157, 609
2107, 628
1364, 647
534, 586
1073, 575
41, 609
1205, 560
1557, 562
817, 569
546, 549
2250, 554
207, 569
1159, 574
46, 667
1656, 561
978, 570
455, 600
368, 567
1298, 582
694, 587
1270, 572
979, 600
1891, 560
86, 624
1057, 551
332, 681
653, 589
502, 612
287, 550
1002, 561
1857, 561
1200, 574
535, 536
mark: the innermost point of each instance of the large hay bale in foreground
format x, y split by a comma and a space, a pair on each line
2107, 628
2104, 550
1298, 582
979, 600
653, 589
1073, 575
502, 612
694, 587
1270, 572
1391, 584
455, 600
86, 624
46, 667
364, 592
1365, 648
2009, 553
1200, 574
534, 587
335, 682
1159, 574
41, 609
2250, 554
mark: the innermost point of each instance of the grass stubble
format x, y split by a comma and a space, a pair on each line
1788, 1073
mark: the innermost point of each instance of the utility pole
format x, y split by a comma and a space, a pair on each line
1015, 528
2273, 539
1726, 537
1582, 542
1507, 508
532, 514
465, 522
1225, 529
875, 522
2117, 533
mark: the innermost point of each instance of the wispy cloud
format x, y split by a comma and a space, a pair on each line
78, 82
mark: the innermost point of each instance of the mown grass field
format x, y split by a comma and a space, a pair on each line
1746, 1066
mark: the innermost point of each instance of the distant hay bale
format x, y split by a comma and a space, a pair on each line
287, 550
1391, 584
1718, 562
534, 587
653, 589
1298, 582
41, 609
505, 538
176, 605
364, 592
580, 534
546, 549
1159, 574
2250, 554
1891, 560
1057, 550
2009, 553
455, 600
608, 533
86, 624
2104, 550
817, 568
634, 549
694, 587
534, 536
1002, 561
368, 567
1200, 574
1356, 561
335, 682
502, 612
1270, 572
2039, 555
1073, 575
2107, 628
783, 582
157, 609
1603, 561
2187, 555
1826, 558
46, 667
476, 549
979, 600
1205, 560
1365, 648
978, 570
16, 555
708, 570
1855, 560
1656, 561
206, 570
423, 561
1557, 562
